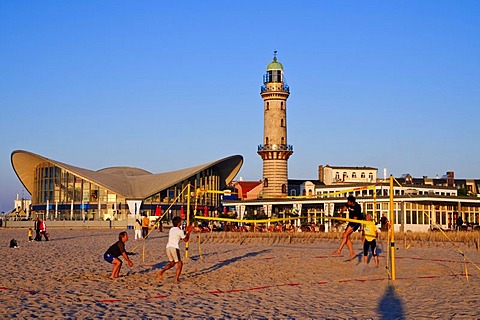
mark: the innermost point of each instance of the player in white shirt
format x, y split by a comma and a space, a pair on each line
173, 250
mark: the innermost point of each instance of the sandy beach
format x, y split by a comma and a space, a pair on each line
233, 277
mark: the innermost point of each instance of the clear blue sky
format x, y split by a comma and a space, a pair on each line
165, 85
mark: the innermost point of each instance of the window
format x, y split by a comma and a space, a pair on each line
362, 175
281, 105
354, 175
337, 176
266, 140
265, 182
274, 76
370, 176
282, 123
284, 188
267, 106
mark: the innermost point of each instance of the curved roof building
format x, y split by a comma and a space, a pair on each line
71, 191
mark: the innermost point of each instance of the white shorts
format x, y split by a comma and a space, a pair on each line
173, 254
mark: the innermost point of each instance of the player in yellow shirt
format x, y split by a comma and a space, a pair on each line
145, 227
369, 235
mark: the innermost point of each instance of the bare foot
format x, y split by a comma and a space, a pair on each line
336, 253
160, 276
176, 281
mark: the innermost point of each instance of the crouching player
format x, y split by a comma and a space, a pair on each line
115, 251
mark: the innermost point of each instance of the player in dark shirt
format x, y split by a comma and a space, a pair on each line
355, 212
115, 251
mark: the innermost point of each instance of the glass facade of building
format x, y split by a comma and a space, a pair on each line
59, 194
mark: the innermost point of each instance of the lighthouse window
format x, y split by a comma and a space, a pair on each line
265, 182
274, 76
281, 105
281, 123
277, 76
267, 106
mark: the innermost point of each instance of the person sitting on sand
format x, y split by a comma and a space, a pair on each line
369, 234
355, 212
173, 250
115, 251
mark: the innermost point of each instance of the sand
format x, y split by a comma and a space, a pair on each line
274, 277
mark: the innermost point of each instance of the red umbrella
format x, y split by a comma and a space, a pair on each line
182, 213
158, 211
205, 211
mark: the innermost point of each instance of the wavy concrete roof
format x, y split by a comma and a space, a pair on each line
132, 183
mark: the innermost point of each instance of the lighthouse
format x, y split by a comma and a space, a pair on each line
274, 150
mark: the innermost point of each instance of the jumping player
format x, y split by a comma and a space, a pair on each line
355, 212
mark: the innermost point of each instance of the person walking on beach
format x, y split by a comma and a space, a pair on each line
459, 222
36, 225
355, 212
173, 250
115, 251
43, 230
145, 226
383, 222
138, 229
30, 235
369, 236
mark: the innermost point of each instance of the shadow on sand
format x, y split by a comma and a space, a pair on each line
229, 261
390, 305
216, 266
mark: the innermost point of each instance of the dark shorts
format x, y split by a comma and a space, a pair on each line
353, 225
108, 257
370, 244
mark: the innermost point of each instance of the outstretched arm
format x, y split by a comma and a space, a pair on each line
125, 256
188, 230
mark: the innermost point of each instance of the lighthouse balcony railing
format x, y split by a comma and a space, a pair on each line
275, 147
285, 88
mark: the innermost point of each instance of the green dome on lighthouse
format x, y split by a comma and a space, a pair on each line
274, 65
